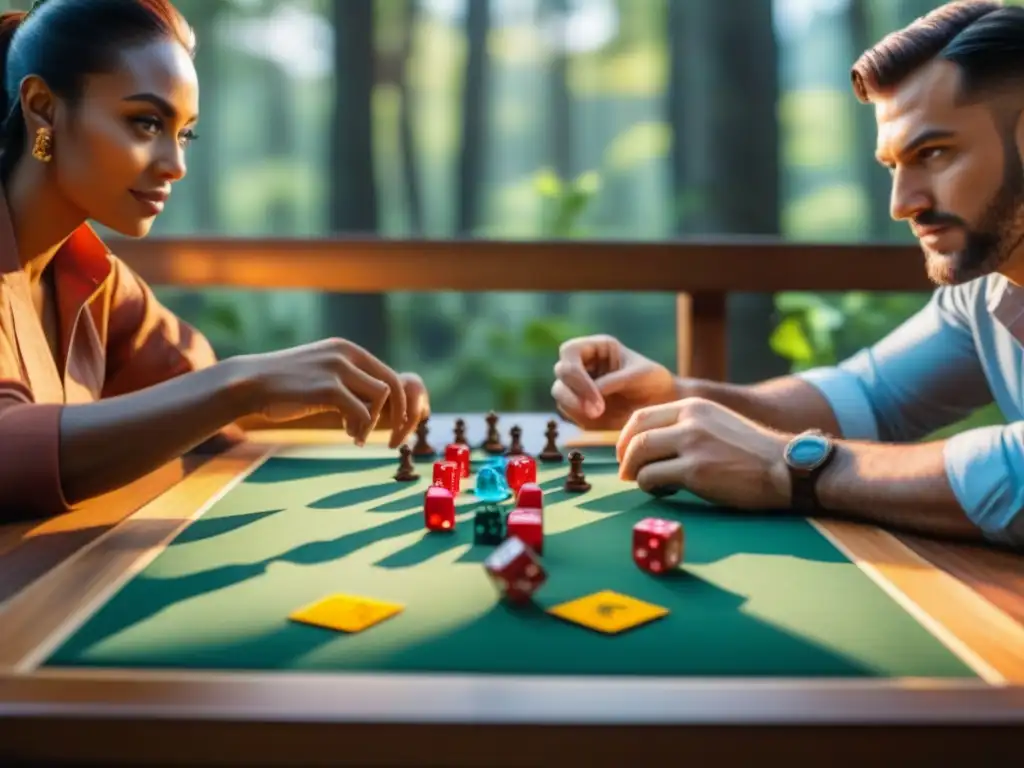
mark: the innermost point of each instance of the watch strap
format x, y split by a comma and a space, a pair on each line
804, 483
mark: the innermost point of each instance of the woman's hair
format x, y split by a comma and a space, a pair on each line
63, 41
983, 38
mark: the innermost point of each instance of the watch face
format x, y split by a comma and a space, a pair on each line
807, 451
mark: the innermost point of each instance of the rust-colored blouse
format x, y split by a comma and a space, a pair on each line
115, 338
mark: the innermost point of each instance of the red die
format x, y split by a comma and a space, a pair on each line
460, 455
530, 497
657, 544
446, 475
515, 569
528, 525
439, 509
519, 470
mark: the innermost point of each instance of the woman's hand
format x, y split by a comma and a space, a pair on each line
334, 375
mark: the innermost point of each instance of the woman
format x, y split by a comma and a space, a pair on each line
100, 384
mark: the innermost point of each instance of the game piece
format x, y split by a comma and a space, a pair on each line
460, 432
516, 570
492, 443
530, 496
439, 509
576, 481
447, 474
551, 454
499, 463
488, 527
657, 545
346, 613
422, 448
406, 469
491, 486
608, 612
520, 469
460, 455
528, 525
516, 448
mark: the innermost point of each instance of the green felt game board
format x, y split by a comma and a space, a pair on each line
757, 595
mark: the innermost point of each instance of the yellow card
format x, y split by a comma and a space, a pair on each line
346, 613
608, 611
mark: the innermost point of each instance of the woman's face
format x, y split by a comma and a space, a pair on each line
119, 150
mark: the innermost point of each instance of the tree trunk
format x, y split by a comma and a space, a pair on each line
560, 126
724, 98
474, 131
410, 166
361, 318
873, 179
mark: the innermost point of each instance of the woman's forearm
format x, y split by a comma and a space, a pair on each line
110, 443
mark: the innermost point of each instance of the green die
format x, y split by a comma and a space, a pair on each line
488, 526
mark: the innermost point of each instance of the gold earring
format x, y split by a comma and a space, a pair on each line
42, 150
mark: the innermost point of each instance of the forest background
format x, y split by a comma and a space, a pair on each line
624, 120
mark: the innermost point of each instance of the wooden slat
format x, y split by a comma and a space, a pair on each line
736, 264
29, 549
708, 337
36, 613
997, 576
972, 627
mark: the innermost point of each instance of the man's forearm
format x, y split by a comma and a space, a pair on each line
896, 486
787, 404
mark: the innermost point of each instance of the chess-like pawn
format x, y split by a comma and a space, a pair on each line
492, 443
422, 447
460, 432
576, 482
406, 470
551, 452
516, 434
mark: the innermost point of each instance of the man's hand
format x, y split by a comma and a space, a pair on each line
599, 382
705, 448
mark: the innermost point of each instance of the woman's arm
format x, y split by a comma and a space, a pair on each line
53, 456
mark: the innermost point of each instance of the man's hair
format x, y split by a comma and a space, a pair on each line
983, 38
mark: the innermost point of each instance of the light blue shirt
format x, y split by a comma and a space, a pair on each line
962, 351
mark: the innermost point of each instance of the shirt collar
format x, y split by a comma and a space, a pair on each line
1006, 303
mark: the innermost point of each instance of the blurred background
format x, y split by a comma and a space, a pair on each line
632, 120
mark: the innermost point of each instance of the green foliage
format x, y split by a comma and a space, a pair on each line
821, 329
565, 203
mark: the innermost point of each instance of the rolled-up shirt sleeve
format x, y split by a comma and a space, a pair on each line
986, 472
923, 376
30, 484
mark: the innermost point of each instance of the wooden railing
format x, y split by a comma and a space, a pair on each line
701, 273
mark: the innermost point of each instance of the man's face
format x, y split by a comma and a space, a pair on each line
957, 176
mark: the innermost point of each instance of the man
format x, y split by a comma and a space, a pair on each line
948, 94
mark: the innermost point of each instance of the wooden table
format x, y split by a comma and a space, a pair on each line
53, 570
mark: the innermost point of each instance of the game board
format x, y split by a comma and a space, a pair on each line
756, 596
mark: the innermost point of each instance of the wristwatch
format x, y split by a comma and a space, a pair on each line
807, 456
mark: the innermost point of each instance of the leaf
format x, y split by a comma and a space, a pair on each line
547, 183
790, 341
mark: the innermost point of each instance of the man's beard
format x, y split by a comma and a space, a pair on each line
989, 244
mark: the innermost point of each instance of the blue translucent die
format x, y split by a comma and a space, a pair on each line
499, 463
491, 485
